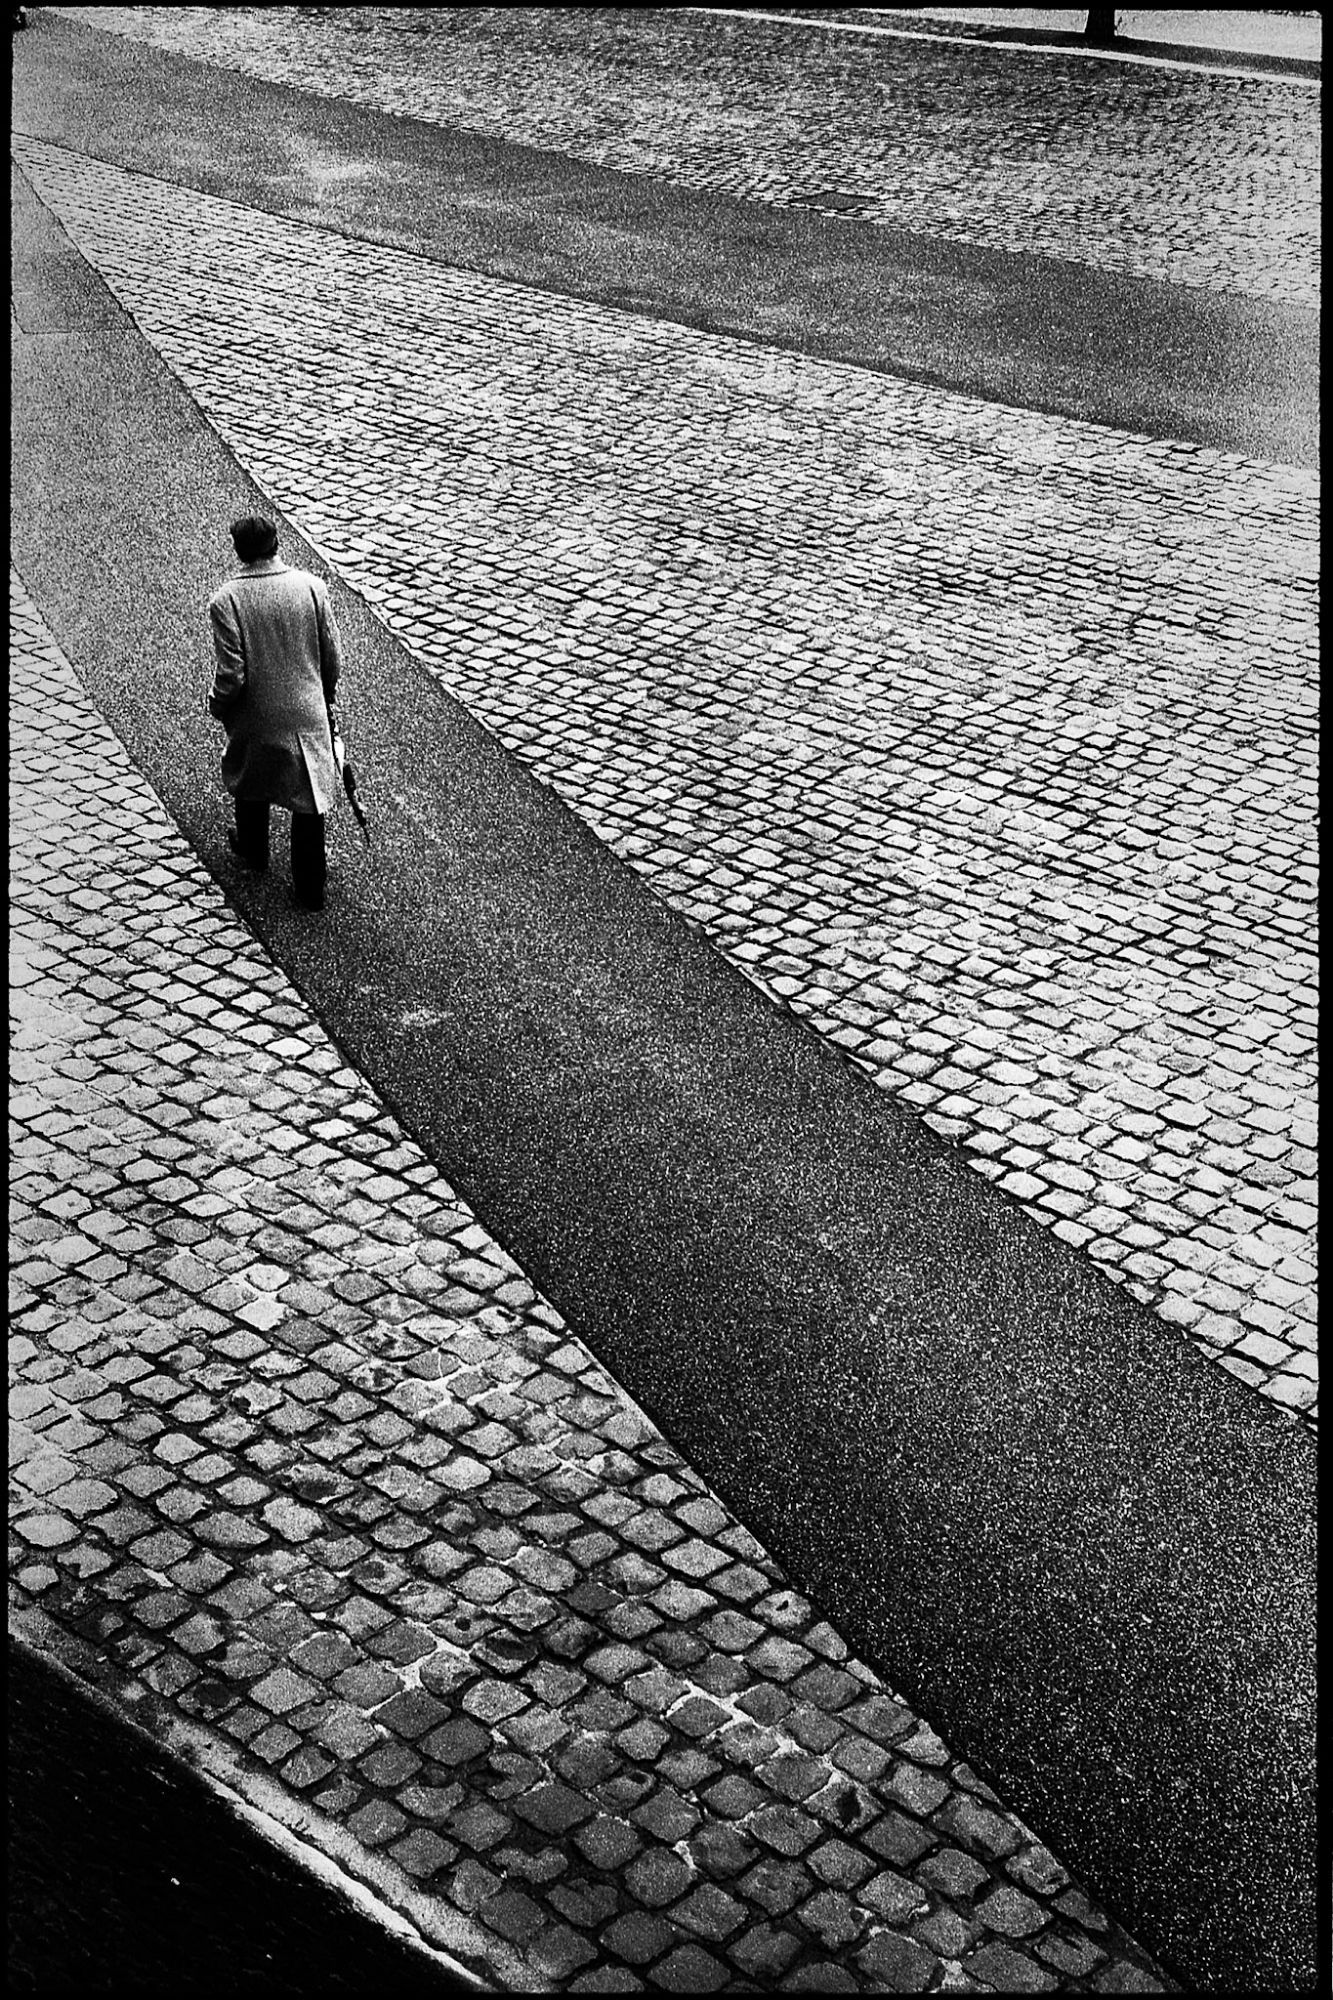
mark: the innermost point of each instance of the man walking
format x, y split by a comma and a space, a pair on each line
278, 662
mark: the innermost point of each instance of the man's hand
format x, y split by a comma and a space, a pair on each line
223, 705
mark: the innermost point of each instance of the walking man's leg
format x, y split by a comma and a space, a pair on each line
308, 859
250, 839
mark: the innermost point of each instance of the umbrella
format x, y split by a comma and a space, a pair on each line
347, 772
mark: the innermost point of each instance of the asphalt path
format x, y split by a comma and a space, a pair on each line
128, 1874
1080, 1549
1033, 332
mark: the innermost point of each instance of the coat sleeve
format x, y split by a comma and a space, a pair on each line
229, 656
330, 646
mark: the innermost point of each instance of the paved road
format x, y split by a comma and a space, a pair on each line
1000, 681
125, 1874
1217, 33
298, 1447
97, 216
1013, 327
980, 144
666, 1152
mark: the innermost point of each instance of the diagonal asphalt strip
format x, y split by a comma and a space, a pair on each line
1093, 566
822, 751
474, 1614
1100, 1588
1208, 366
930, 139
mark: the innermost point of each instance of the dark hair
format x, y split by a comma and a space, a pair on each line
254, 538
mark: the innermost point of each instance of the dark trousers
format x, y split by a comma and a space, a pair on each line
308, 858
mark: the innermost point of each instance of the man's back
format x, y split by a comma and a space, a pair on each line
278, 662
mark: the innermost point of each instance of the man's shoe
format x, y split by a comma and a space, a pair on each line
248, 860
309, 902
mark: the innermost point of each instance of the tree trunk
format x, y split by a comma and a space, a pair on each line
1101, 26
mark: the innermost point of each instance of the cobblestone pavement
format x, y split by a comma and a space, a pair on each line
1288, 34
983, 739
1204, 180
301, 1449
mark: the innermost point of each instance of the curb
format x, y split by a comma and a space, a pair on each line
374, 1887
1255, 65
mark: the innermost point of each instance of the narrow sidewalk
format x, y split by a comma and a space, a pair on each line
305, 1468
1260, 41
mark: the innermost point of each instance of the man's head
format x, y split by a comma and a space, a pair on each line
254, 538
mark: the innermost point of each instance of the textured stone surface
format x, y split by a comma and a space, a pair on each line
1036, 698
977, 143
398, 1505
167, 1073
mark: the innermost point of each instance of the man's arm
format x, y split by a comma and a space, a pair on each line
330, 646
229, 670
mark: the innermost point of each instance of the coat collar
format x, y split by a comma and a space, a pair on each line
266, 566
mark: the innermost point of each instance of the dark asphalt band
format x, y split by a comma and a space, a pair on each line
1031, 332
1081, 1550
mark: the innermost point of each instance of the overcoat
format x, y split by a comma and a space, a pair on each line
278, 661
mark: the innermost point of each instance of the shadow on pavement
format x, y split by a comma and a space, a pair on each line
128, 1875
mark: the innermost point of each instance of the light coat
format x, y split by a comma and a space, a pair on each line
278, 661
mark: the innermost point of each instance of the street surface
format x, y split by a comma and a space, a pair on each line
977, 737
1220, 31
125, 1875
913, 135
996, 763
303, 1452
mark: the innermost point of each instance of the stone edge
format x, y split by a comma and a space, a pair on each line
371, 1884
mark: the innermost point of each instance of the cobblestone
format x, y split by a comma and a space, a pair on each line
988, 743
272, 1624
984, 145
